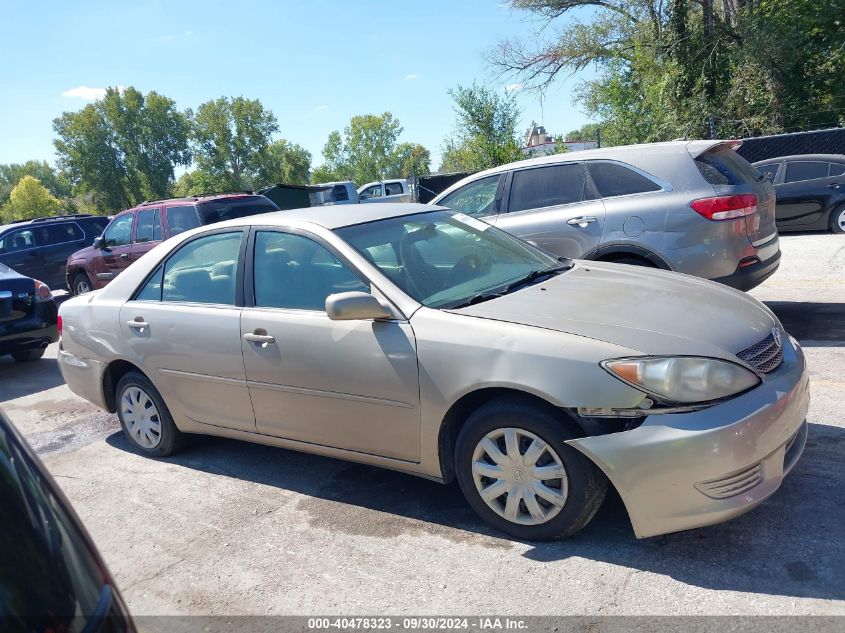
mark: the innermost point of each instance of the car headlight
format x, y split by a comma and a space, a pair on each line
685, 380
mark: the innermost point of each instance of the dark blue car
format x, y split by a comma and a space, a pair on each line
28, 316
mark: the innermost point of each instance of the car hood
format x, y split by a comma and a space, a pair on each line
652, 311
83, 253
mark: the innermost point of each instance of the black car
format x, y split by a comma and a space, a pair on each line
28, 316
51, 576
39, 248
810, 190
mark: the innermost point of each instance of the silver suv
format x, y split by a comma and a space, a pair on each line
693, 207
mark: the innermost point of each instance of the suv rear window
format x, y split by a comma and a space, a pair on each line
615, 180
723, 166
231, 208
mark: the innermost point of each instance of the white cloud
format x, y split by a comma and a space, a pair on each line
320, 108
89, 94
411, 77
514, 87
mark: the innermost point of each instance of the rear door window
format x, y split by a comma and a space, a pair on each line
393, 188
59, 234
547, 187
203, 271
181, 219
723, 166
837, 169
475, 198
612, 179
797, 171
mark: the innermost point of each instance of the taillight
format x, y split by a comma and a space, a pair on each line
726, 207
42, 291
59, 324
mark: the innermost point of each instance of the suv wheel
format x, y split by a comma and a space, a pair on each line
519, 475
81, 284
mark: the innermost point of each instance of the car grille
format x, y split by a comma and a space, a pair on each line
765, 356
732, 485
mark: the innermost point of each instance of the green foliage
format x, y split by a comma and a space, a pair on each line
11, 174
284, 162
664, 66
231, 142
365, 151
29, 199
122, 149
409, 159
486, 134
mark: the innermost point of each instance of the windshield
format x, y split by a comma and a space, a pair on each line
443, 259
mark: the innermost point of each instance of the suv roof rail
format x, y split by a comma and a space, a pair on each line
50, 218
147, 203
225, 193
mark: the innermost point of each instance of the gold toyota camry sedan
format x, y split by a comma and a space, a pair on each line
427, 341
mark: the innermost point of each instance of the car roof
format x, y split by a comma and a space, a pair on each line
200, 199
839, 158
50, 219
334, 216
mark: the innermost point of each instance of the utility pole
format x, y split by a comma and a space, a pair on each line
711, 126
598, 137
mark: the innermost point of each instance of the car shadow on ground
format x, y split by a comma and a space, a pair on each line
23, 379
808, 321
791, 545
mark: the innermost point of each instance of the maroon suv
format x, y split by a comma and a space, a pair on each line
133, 232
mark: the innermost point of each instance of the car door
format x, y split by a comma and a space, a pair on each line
19, 251
183, 327
554, 207
804, 193
113, 257
148, 232
346, 384
56, 242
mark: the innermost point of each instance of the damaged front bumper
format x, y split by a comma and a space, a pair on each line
680, 471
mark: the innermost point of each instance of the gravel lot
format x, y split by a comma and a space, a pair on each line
235, 528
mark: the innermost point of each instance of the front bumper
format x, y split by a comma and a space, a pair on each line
681, 471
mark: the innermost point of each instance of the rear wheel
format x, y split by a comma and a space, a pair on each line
519, 475
81, 284
145, 419
837, 220
28, 355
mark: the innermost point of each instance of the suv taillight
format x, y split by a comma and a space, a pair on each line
726, 207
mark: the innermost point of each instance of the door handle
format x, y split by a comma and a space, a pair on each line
582, 221
260, 338
138, 324
124, 256
833, 186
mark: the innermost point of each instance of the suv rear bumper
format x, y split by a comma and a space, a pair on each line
748, 277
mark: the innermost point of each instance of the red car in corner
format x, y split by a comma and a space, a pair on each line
133, 232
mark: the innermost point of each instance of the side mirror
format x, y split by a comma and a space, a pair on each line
349, 306
99, 242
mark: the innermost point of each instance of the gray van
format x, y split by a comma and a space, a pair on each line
694, 207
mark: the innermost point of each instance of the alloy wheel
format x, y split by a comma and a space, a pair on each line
140, 415
519, 476
840, 220
83, 286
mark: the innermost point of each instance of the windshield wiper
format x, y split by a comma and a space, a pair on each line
480, 297
534, 275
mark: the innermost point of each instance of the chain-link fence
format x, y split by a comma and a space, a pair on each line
425, 188
818, 142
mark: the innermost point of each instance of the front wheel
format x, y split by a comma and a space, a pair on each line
519, 475
145, 419
81, 284
837, 220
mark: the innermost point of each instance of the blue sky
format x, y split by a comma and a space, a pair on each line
314, 63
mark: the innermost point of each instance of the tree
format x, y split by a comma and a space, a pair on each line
122, 149
30, 199
665, 66
231, 141
409, 159
11, 174
486, 134
284, 162
365, 151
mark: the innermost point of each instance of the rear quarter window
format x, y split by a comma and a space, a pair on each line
723, 166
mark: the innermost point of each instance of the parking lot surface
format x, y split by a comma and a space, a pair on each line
228, 527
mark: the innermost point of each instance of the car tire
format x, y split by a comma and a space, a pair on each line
28, 355
145, 418
837, 220
563, 506
81, 284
